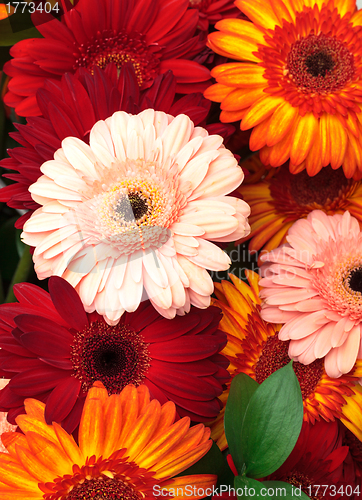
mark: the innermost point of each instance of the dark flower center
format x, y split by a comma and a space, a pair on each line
132, 207
319, 63
355, 280
302, 480
120, 48
115, 355
103, 488
320, 189
275, 355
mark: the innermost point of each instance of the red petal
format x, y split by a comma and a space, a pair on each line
67, 302
62, 400
33, 382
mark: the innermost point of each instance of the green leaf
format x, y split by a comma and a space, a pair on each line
247, 488
272, 422
285, 491
242, 389
17, 27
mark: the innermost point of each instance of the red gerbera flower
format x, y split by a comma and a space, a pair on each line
154, 35
53, 350
72, 106
317, 462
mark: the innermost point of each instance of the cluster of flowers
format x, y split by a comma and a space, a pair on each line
132, 188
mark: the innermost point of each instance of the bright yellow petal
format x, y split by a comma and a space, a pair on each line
352, 412
241, 28
304, 134
259, 12
233, 46
261, 110
184, 462
15, 476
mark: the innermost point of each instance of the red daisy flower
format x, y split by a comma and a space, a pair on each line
51, 349
72, 106
154, 35
318, 459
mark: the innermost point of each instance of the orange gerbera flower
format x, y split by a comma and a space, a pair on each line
128, 448
254, 348
278, 200
299, 83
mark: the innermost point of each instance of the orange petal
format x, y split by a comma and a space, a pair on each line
313, 162
278, 154
242, 98
258, 135
245, 75
191, 487
91, 428
232, 116
70, 447
15, 476
184, 462
259, 12
325, 142
34, 466
304, 134
261, 110
130, 411
282, 120
217, 92
233, 46
339, 140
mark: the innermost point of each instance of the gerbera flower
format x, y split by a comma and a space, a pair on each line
314, 286
212, 11
128, 447
279, 200
298, 83
154, 36
52, 350
254, 348
317, 459
135, 211
73, 105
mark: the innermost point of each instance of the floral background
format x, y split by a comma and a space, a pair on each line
180, 249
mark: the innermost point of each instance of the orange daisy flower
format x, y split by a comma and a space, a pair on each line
254, 348
281, 198
128, 447
299, 83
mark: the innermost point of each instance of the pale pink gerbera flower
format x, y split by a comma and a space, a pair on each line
313, 284
134, 211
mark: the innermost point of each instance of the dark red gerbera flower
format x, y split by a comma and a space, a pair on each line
154, 35
72, 106
52, 350
318, 459
212, 11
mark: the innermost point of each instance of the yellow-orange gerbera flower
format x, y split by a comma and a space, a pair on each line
254, 348
299, 83
128, 448
278, 200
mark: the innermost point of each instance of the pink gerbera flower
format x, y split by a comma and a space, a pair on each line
135, 211
314, 285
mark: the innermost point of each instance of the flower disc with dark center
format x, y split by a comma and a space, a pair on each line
115, 355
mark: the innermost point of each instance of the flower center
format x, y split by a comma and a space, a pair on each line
132, 207
115, 355
275, 355
118, 48
355, 280
322, 188
103, 488
306, 483
319, 63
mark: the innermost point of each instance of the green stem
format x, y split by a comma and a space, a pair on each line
21, 273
